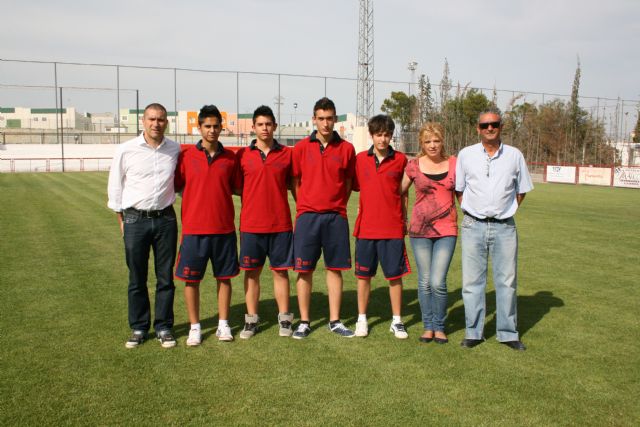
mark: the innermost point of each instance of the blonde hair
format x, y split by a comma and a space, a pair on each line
435, 129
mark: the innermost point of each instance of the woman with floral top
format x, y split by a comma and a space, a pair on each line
433, 228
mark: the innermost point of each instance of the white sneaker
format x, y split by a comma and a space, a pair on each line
224, 333
195, 338
362, 328
399, 330
250, 326
285, 321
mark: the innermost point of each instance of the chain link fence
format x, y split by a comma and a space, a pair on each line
101, 104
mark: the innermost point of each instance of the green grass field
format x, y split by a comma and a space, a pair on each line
63, 327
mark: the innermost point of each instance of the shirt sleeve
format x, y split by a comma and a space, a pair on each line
453, 164
410, 170
238, 176
351, 162
523, 180
116, 177
460, 174
296, 167
355, 186
179, 178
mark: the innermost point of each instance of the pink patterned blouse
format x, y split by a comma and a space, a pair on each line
434, 213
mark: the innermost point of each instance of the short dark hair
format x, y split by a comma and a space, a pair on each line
381, 123
324, 104
155, 106
490, 110
264, 111
209, 111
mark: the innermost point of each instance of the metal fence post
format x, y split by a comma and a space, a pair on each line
61, 129
237, 107
175, 103
118, 100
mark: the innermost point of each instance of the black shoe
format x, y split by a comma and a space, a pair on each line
166, 338
470, 343
136, 339
426, 339
516, 345
440, 340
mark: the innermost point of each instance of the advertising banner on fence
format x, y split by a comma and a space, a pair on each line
626, 177
565, 174
594, 176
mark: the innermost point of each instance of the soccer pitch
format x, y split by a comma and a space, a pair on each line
64, 324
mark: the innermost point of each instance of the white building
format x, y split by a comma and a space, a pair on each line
628, 153
102, 122
131, 119
43, 118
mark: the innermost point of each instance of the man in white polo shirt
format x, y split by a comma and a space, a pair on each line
491, 182
141, 192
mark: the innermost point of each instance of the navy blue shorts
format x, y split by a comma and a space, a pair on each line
197, 249
326, 232
391, 253
255, 247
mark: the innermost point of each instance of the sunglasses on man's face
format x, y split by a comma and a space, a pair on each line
494, 125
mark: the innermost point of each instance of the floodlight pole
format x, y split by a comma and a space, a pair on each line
412, 68
279, 104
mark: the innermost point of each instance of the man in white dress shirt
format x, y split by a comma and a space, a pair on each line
141, 193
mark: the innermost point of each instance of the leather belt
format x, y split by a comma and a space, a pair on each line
488, 219
149, 214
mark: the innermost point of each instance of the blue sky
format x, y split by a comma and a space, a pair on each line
510, 44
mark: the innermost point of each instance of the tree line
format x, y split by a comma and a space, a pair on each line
554, 131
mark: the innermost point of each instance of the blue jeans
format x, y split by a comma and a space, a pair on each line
140, 235
479, 241
433, 257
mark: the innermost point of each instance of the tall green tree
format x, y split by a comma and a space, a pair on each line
576, 119
461, 117
467, 105
494, 97
400, 106
574, 107
425, 101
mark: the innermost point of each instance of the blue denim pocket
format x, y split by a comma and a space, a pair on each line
467, 221
131, 217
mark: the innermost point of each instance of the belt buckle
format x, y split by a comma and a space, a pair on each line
155, 214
